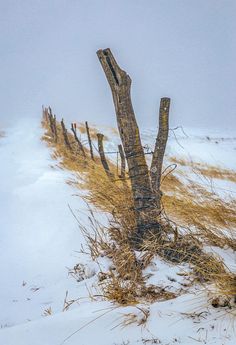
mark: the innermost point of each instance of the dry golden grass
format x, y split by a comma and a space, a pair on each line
207, 170
139, 318
192, 206
205, 217
106, 195
188, 205
94, 180
222, 287
47, 312
113, 196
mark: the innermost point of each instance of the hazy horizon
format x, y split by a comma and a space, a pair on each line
182, 49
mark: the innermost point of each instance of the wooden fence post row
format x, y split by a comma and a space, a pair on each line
48, 117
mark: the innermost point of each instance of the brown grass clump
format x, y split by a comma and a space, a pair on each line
203, 216
204, 212
47, 312
222, 291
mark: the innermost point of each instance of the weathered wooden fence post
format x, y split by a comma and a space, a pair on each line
81, 148
89, 140
158, 155
65, 135
145, 206
102, 155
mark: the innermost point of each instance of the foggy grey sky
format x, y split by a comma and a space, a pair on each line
184, 49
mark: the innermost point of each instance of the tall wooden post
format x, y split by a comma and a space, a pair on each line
145, 207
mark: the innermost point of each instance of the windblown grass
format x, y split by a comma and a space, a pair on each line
207, 170
201, 216
193, 206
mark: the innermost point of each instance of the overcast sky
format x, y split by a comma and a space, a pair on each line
183, 49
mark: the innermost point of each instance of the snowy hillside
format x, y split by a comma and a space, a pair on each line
41, 304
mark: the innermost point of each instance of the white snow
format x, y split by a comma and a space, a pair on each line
39, 235
40, 238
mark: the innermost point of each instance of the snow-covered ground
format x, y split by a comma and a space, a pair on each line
39, 235
40, 238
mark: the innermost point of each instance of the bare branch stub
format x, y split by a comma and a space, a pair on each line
102, 155
81, 148
144, 199
160, 146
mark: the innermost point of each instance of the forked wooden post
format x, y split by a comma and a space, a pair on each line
144, 198
122, 157
89, 140
65, 135
81, 148
102, 155
161, 140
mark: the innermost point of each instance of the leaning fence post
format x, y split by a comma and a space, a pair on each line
65, 135
81, 148
122, 157
89, 140
102, 155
